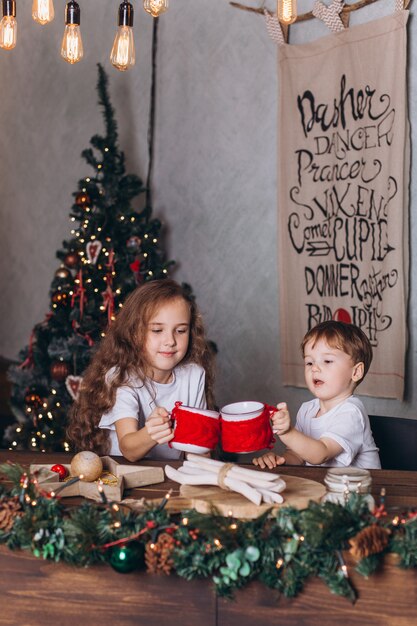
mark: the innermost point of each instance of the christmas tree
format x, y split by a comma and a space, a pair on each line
114, 247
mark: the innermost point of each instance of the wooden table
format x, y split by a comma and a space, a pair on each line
35, 592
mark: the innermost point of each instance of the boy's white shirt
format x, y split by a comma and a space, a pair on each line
138, 401
348, 425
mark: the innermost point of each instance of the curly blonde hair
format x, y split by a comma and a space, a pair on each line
123, 349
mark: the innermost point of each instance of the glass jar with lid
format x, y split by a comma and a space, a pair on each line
342, 481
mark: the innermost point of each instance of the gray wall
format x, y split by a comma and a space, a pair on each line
214, 176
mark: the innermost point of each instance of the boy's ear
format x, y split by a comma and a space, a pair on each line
358, 372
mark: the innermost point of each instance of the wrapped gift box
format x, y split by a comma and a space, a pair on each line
122, 477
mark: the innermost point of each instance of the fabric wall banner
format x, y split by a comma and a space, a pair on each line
343, 181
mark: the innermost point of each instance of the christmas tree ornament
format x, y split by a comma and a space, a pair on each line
135, 267
82, 199
63, 273
127, 557
133, 243
61, 470
73, 383
93, 249
122, 54
59, 371
88, 464
155, 7
72, 260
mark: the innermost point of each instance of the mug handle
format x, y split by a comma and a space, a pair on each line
173, 412
271, 409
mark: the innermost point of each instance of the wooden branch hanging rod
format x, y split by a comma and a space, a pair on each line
348, 8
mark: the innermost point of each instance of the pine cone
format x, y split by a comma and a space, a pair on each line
9, 509
370, 540
151, 558
158, 555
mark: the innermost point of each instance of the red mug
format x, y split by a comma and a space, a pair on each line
246, 427
195, 430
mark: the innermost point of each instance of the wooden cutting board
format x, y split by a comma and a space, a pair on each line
298, 493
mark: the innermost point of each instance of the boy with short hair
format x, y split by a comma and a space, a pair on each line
333, 429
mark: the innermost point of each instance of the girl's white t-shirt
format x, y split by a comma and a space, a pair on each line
348, 424
138, 400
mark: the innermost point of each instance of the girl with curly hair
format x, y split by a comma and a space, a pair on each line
154, 354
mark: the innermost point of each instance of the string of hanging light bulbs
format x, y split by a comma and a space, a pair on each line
122, 54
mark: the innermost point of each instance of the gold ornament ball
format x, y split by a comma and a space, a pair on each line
88, 464
62, 273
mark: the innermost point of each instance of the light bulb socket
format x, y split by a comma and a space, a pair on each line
126, 14
72, 13
9, 8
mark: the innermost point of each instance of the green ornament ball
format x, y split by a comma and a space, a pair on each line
127, 557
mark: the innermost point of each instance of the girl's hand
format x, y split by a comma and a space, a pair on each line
159, 426
281, 421
270, 460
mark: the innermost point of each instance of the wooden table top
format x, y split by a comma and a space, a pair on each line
400, 486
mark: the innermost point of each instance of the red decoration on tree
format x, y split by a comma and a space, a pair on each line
108, 303
61, 470
135, 267
73, 384
93, 250
341, 315
79, 293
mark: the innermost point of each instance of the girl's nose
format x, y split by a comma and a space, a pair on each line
315, 367
170, 339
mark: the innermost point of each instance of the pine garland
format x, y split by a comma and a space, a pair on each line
282, 551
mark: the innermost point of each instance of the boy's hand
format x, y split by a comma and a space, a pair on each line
281, 421
159, 426
270, 460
